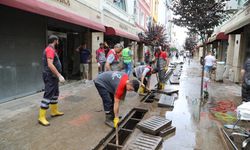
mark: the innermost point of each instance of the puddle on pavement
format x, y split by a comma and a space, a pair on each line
182, 117
185, 116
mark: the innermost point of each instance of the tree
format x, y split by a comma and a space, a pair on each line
154, 36
190, 44
199, 16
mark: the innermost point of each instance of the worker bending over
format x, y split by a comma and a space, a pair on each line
112, 87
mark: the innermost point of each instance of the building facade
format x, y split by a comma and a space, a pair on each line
231, 40
27, 24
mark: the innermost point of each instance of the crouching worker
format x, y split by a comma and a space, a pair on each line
112, 87
143, 73
51, 76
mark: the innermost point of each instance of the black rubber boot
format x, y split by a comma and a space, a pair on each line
109, 120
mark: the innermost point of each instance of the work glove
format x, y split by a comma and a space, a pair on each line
116, 120
61, 78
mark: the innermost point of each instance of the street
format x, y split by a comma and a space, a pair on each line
82, 126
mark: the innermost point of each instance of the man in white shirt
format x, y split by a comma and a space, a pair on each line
209, 61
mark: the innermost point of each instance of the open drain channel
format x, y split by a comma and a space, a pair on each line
126, 128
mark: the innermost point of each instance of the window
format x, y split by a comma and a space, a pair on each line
148, 22
142, 19
121, 4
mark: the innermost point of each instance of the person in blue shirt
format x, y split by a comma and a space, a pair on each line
85, 59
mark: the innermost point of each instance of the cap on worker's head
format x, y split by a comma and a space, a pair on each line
151, 63
135, 84
52, 38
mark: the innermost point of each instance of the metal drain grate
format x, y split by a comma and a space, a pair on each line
148, 98
154, 125
166, 101
167, 131
145, 142
168, 91
126, 127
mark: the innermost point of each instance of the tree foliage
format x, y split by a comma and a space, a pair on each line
190, 44
199, 16
154, 36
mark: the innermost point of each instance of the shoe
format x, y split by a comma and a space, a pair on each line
54, 110
109, 120
42, 117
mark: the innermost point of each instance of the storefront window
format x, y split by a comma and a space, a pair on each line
121, 4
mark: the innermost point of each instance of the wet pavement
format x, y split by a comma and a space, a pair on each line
82, 126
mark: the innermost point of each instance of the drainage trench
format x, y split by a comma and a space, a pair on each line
126, 128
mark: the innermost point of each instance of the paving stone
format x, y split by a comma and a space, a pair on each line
154, 125
145, 142
166, 101
167, 131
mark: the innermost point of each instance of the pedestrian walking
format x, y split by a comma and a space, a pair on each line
245, 91
85, 58
51, 76
101, 58
113, 57
209, 62
127, 59
143, 73
112, 87
184, 57
177, 55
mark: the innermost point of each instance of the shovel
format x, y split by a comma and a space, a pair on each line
117, 138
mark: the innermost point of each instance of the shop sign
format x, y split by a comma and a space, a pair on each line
65, 2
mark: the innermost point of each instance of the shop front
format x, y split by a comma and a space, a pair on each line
24, 31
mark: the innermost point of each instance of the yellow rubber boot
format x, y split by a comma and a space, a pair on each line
54, 110
141, 90
42, 117
162, 86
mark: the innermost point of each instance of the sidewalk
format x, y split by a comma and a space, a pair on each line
82, 126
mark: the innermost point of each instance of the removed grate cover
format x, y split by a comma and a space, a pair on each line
174, 80
166, 101
167, 131
154, 125
168, 90
126, 128
145, 142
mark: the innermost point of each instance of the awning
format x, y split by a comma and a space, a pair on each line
239, 20
221, 36
112, 31
44, 9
